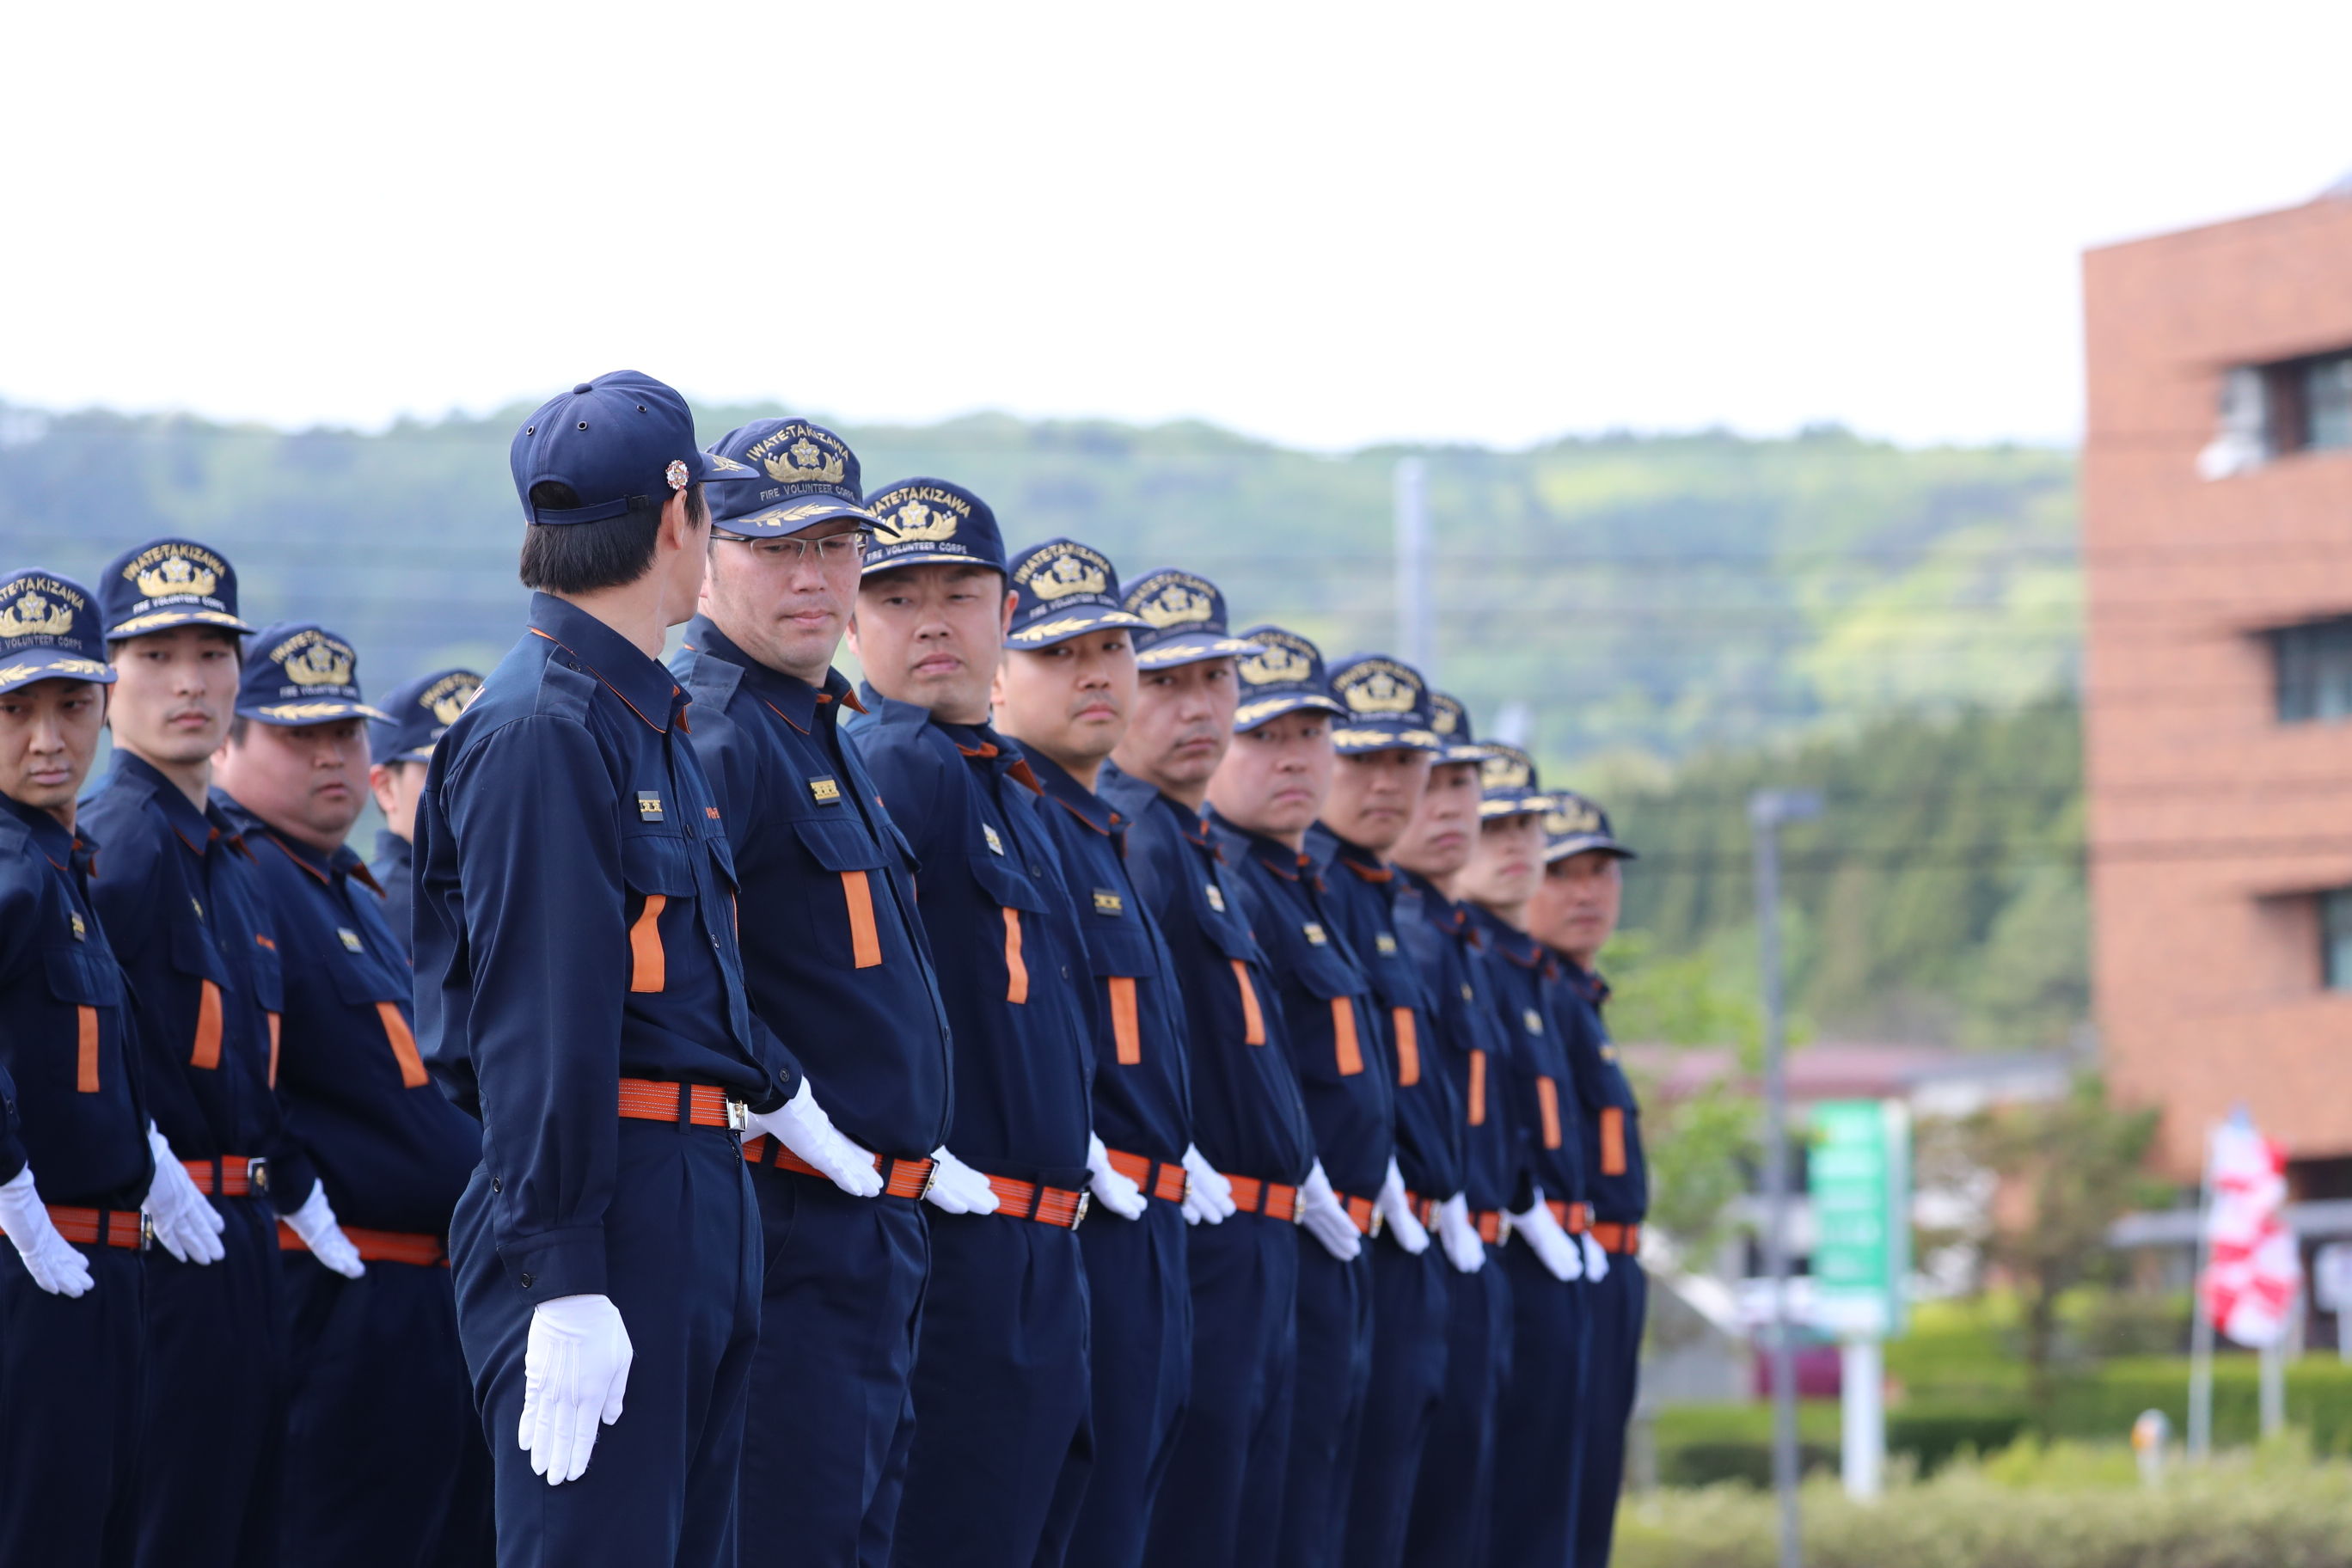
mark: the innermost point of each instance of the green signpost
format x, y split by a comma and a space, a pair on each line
1858, 1177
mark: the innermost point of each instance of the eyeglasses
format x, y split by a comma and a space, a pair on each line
832, 550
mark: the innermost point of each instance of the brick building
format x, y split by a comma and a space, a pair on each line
2217, 487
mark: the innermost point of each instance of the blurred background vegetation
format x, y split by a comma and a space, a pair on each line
1685, 617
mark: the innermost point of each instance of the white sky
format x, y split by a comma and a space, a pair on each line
1326, 223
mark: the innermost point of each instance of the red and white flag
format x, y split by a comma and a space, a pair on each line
2253, 1269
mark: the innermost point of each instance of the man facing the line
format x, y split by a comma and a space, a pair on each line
836, 962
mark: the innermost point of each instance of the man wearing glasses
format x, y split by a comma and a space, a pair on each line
835, 961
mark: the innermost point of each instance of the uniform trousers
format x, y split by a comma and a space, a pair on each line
682, 1266
1540, 1417
69, 1394
384, 1458
1003, 1425
824, 1444
1618, 1304
1453, 1499
212, 1471
1410, 1310
1142, 1312
1222, 1500
1327, 1422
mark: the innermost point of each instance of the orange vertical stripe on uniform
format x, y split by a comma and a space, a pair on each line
1548, 1101
1407, 1045
648, 965
1343, 1036
1017, 987
1123, 1027
274, 1021
86, 1050
864, 941
207, 1052
1477, 1088
1253, 1021
1612, 1140
404, 1046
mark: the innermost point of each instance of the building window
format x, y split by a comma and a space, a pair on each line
2315, 670
2269, 410
2335, 937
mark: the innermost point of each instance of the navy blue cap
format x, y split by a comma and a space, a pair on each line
167, 583
1575, 823
1387, 703
419, 711
1184, 620
808, 475
1451, 721
1507, 785
1067, 590
1287, 677
921, 521
621, 441
48, 631
298, 672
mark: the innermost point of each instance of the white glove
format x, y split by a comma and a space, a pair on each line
185, 1222
1208, 1195
1559, 1256
1404, 1230
575, 1373
1460, 1237
314, 1222
957, 1187
49, 1258
801, 1125
1596, 1259
1106, 1182
1320, 1212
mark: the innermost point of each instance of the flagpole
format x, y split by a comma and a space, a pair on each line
2201, 1331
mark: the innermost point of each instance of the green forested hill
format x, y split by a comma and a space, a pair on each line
1677, 613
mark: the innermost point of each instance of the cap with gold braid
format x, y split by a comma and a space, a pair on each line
298, 672
1287, 677
1184, 620
167, 583
420, 711
1507, 784
1067, 590
1451, 721
803, 474
48, 631
1387, 703
1575, 823
924, 521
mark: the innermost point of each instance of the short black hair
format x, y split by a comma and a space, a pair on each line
581, 557
237, 726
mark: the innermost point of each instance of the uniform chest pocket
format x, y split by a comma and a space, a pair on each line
845, 850
1325, 977
193, 954
659, 870
365, 982
1016, 897
80, 980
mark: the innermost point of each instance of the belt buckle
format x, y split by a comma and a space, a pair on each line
931, 1180
739, 1116
1184, 1189
1079, 1218
1298, 1205
257, 1175
146, 1230
1375, 1233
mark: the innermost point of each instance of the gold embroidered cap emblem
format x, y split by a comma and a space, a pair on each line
1064, 571
804, 463
1177, 605
1377, 686
316, 661
915, 523
1280, 663
174, 573
1571, 816
35, 616
447, 697
1504, 770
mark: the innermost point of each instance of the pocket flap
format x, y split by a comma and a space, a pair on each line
1325, 974
1118, 947
653, 863
77, 976
839, 844
1008, 887
192, 952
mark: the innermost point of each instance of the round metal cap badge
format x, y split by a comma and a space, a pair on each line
676, 474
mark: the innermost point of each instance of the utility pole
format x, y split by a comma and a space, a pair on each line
1416, 634
1768, 810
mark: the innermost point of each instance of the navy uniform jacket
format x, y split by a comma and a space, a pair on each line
67, 1067
1248, 1117
1366, 897
394, 1152
574, 926
834, 950
1335, 1041
1616, 1176
1542, 1088
1143, 1095
1474, 1048
179, 893
391, 870
1010, 963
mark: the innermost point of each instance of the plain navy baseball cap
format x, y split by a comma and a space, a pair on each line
623, 442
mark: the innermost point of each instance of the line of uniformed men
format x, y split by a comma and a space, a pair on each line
1277, 965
